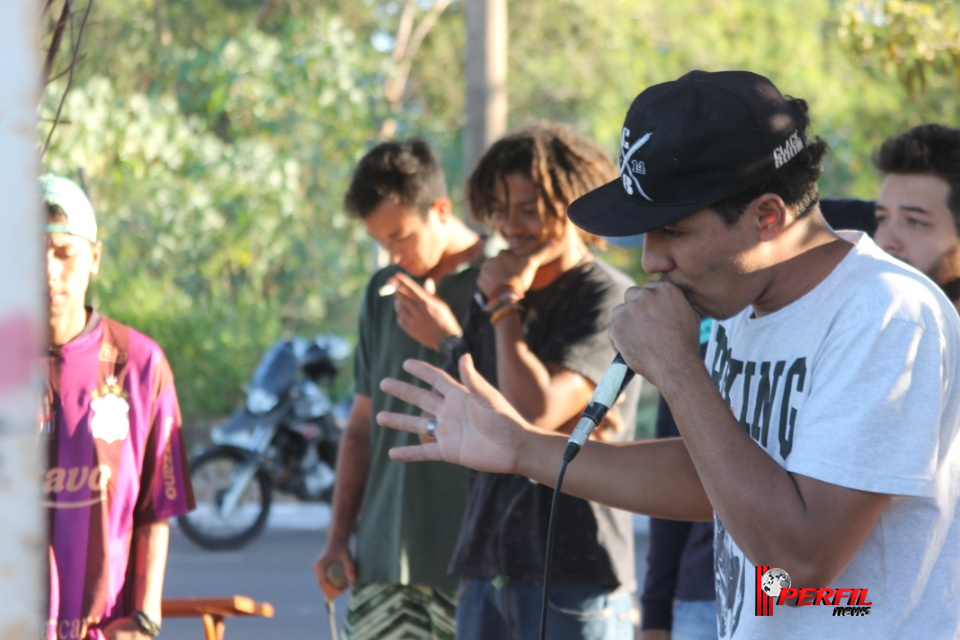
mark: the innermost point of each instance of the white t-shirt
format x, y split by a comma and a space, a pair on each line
855, 384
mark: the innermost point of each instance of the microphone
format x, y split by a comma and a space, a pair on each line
615, 379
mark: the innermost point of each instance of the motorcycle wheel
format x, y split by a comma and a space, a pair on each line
211, 473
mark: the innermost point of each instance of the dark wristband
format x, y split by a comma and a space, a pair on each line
450, 345
146, 624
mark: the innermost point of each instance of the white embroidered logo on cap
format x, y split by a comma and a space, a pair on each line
630, 168
784, 153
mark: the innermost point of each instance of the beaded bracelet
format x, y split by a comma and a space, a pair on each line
505, 310
507, 297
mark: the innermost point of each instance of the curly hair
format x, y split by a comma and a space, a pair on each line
796, 183
563, 163
402, 171
928, 149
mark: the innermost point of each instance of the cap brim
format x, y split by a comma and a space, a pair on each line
608, 211
626, 242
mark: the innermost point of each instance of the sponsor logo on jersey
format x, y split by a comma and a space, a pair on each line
63, 629
75, 487
169, 473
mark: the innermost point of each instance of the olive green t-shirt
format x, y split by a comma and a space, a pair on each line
411, 512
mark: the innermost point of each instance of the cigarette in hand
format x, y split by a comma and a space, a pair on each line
387, 290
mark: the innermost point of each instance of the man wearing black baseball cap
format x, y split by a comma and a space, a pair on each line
822, 435
689, 144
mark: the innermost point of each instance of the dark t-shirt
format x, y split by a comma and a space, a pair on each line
505, 525
849, 213
410, 513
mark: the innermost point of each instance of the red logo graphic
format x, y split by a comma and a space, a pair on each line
774, 584
770, 583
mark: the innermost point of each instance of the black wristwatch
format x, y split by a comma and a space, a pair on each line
450, 345
146, 624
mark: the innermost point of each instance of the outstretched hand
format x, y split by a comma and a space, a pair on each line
476, 426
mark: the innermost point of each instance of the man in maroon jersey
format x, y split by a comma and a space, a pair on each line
110, 422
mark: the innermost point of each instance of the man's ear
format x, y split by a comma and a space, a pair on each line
769, 213
443, 207
96, 249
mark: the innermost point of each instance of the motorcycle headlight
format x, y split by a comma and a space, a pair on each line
260, 401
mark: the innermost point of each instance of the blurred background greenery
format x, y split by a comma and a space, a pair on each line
216, 137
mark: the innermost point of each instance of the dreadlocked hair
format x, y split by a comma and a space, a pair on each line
563, 163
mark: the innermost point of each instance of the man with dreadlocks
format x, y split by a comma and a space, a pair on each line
541, 337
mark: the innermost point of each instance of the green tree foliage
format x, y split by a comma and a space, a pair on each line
217, 136
587, 64
219, 195
913, 40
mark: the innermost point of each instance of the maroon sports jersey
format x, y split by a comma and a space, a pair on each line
111, 423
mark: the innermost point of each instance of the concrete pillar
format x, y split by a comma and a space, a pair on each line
22, 541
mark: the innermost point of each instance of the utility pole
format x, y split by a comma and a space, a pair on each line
22, 535
486, 78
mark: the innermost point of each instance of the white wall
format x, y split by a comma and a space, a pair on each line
21, 337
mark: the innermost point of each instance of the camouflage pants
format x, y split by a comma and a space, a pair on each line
400, 612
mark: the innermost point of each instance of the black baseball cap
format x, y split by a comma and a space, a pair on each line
687, 144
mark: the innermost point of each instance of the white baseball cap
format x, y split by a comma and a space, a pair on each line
64, 193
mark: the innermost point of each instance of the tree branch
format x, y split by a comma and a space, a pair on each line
75, 56
46, 8
426, 24
408, 41
265, 10
404, 27
163, 29
56, 39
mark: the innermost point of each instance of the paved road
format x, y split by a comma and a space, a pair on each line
274, 568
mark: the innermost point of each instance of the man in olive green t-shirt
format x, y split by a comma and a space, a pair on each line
406, 517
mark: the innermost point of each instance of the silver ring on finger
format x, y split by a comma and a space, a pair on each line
432, 428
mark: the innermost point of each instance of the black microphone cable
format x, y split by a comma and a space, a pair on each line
615, 379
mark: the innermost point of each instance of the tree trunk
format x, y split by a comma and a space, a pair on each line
486, 78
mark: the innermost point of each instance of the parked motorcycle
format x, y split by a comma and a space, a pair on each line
285, 439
